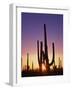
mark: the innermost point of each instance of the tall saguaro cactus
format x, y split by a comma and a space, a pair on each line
43, 54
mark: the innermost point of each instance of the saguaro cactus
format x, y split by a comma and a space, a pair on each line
27, 61
43, 54
40, 57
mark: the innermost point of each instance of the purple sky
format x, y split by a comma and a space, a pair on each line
33, 30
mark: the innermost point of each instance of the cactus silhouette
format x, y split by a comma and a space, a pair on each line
43, 54
27, 61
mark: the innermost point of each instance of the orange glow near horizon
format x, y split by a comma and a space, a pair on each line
43, 67
33, 59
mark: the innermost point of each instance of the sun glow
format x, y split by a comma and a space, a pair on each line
43, 67
33, 59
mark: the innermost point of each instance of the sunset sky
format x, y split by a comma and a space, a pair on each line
32, 29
